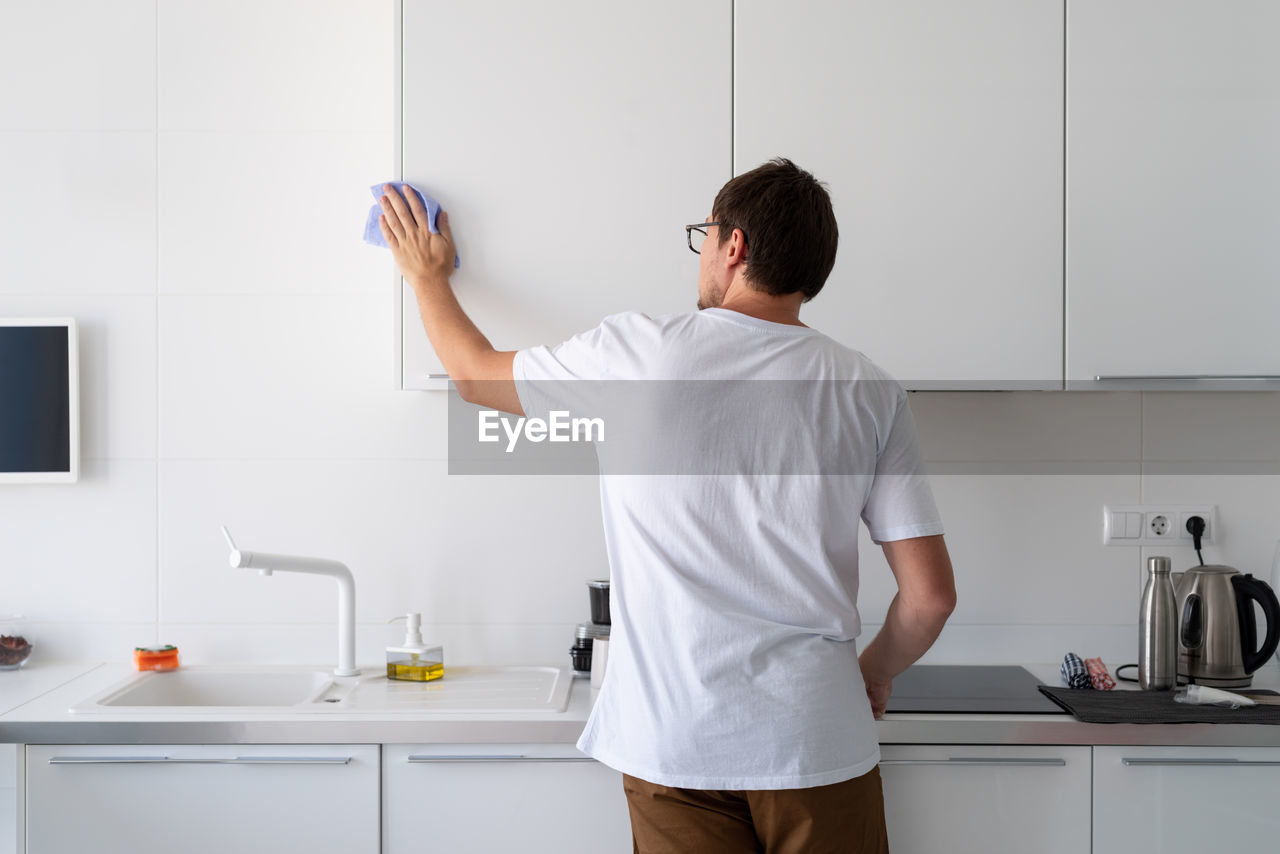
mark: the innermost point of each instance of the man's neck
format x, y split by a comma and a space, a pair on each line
775, 309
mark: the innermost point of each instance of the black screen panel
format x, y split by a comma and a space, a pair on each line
35, 407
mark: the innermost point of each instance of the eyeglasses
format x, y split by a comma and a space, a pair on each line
701, 228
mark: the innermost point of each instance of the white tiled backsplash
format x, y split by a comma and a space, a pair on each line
197, 207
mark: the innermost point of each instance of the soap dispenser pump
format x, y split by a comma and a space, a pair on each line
413, 660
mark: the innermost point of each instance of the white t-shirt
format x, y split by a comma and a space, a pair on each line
734, 557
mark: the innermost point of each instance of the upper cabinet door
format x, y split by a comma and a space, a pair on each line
1173, 211
938, 128
570, 142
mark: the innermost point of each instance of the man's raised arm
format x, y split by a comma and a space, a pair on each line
481, 374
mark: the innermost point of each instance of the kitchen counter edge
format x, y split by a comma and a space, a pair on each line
40, 718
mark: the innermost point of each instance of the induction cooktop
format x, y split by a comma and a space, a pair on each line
970, 689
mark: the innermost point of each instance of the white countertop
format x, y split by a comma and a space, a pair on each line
39, 711
35, 707
21, 686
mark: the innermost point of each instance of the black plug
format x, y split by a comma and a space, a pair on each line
1195, 527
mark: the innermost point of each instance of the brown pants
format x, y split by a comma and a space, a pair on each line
843, 818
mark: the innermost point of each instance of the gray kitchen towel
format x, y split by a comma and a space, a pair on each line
1152, 707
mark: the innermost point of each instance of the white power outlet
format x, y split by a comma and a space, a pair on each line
1156, 524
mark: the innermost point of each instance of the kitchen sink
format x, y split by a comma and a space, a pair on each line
195, 688
289, 690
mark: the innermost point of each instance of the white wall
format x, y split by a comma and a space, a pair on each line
1022, 477
189, 179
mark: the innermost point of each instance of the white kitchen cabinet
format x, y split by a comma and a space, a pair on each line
938, 127
202, 799
1173, 195
8, 798
8, 820
570, 142
455, 798
1185, 799
986, 799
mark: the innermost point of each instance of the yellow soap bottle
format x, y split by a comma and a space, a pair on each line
413, 660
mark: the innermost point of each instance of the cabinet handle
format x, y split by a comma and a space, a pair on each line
288, 760
1229, 763
515, 757
106, 760
1017, 762
1179, 377
166, 760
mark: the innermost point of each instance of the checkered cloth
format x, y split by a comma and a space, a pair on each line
1075, 674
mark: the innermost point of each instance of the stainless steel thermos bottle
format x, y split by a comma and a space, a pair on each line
1157, 630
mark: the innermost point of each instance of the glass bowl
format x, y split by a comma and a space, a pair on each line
14, 646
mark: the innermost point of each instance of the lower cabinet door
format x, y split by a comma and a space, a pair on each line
9, 782
458, 799
986, 798
202, 799
1186, 799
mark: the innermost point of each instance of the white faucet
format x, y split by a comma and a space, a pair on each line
266, 563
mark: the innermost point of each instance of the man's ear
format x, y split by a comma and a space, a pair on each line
737, 248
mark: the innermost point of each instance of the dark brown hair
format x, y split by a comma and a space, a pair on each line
786, 216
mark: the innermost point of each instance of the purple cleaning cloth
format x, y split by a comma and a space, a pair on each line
373, 231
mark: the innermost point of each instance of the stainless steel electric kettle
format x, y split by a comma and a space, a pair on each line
1217, 630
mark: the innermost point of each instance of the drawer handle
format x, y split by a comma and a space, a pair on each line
1017, 762
515, 757
1191, 763
1181, 377
106, 760
290, 760
166, 760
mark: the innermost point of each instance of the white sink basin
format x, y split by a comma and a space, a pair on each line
289, 690
194, 688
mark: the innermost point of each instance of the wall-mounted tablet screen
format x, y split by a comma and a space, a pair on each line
39, 401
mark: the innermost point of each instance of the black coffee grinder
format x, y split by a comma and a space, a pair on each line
580, 652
